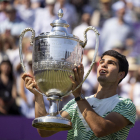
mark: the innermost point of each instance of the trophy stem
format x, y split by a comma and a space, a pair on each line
53, 121
54, 105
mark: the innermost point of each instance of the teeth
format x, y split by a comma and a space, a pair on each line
103, 71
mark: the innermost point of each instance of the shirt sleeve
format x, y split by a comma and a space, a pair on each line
70, 107
127, 109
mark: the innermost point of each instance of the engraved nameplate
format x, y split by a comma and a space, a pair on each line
55, 49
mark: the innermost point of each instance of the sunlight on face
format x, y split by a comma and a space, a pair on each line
108, 69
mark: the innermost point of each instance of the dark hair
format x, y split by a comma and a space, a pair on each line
11, 72
123, 63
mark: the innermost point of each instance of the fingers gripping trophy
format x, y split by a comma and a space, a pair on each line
55, 55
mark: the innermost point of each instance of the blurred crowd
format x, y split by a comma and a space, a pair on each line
118, 22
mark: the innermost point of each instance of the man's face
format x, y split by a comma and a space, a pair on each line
86, 17
108, 70
121, 12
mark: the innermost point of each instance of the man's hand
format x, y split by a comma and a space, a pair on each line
78, 74
30, 83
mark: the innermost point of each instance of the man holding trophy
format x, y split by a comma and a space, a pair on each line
103, 115
58, 70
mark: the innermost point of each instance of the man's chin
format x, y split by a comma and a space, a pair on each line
101, 79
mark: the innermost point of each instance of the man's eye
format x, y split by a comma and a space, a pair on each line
112, 63
101, 62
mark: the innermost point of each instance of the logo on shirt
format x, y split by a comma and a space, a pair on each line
93, 106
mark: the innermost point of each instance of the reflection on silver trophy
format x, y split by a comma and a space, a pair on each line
55, 54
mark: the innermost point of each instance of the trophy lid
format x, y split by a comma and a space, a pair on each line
59, 28
60, 22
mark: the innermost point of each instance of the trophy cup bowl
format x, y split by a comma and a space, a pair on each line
55, 54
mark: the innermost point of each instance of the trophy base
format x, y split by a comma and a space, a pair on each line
52, 123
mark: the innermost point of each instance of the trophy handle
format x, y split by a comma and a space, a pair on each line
20, 45
20, 49
83, 44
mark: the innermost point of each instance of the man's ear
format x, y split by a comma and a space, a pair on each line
122, 74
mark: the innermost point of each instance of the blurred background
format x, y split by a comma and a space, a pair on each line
118, 22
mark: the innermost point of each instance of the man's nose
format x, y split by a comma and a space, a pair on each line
104, 65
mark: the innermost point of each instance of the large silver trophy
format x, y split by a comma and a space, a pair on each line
55, 54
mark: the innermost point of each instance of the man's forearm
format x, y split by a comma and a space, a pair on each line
113, 122
39, 102
94, 121
99, 125
39, 106
39, 112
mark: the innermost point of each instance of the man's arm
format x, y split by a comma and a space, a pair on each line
41, 111
39, 104
113, 122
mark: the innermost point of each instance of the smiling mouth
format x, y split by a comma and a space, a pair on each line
102, 72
